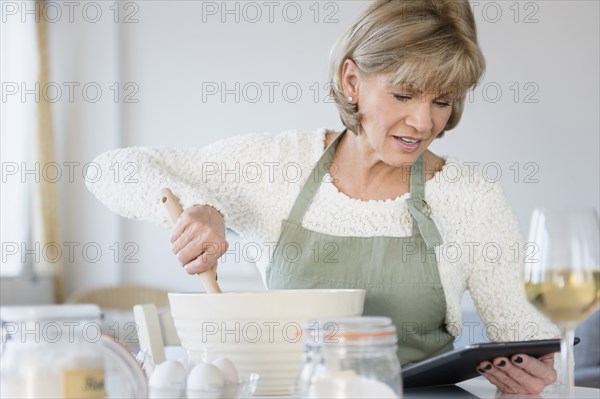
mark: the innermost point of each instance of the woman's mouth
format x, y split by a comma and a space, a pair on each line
407, 144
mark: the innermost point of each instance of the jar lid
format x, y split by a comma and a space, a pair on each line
351, 330
49, 312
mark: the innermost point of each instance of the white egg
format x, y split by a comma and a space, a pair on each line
228, 369
169, 373
205, 381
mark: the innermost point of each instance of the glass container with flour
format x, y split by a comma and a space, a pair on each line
350, 358
59, 351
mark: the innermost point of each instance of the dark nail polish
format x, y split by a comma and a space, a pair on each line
481, 370
488, 367
518, 360
501, 363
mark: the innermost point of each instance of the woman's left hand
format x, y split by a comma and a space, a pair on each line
521, 374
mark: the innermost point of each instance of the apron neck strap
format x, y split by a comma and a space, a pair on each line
419, 209
417, 178
313, 183
417, 190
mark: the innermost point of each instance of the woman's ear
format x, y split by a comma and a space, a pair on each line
350, 78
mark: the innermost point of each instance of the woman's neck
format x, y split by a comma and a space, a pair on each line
358, 172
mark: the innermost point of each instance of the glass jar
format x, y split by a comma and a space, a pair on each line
350, 357
52, 351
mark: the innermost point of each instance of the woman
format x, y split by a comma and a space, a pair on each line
371, 207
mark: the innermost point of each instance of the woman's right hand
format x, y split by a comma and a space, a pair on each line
198, 238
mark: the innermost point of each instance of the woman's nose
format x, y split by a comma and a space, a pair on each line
420, 117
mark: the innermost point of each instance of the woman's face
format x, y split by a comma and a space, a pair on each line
400, 123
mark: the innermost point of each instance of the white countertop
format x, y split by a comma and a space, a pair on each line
482, 388
474, 388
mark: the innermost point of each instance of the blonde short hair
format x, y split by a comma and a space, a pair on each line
423, 44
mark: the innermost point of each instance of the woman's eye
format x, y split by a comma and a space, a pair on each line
443, 104
402, 98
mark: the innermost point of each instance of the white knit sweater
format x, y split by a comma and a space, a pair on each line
254, 179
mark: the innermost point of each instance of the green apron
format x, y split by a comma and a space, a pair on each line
399, 274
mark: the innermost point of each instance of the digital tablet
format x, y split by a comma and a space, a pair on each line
461, 364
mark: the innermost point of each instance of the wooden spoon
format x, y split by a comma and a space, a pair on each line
174, 210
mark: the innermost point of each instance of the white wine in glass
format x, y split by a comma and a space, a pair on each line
562, 274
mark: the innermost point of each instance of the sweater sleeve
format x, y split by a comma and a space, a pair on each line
494, 278
229, 174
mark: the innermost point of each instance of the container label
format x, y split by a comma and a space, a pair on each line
83, 384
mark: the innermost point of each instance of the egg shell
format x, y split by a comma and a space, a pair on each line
228, 369
169, 373
205, 377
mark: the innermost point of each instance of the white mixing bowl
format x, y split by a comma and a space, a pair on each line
261, 332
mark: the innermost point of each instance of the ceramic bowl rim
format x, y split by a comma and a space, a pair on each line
270, 292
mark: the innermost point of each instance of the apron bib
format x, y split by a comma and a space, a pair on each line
400, 274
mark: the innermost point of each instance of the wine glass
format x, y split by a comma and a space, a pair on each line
561, 274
